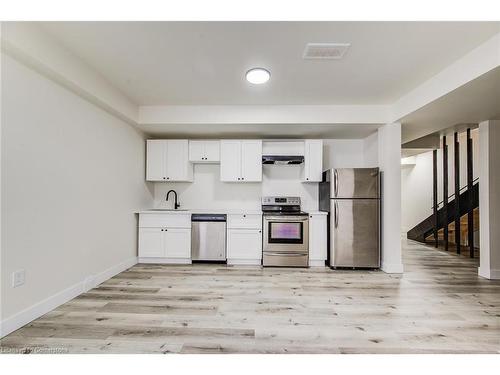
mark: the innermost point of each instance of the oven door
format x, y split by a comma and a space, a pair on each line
286, 234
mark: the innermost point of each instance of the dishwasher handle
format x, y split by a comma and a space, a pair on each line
208, 217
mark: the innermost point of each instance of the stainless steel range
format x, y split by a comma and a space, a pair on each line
286, 233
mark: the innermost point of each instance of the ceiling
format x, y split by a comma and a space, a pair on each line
471, 103
268, 131
203, 63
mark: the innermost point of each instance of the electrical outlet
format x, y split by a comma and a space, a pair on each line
18, 278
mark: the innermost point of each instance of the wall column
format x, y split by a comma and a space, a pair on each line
389, 154
489, 199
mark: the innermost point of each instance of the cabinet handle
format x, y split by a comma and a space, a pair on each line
260, 231
238, 178
162, 230
307, 179
244, 215
163, 177
242, 178
168, 178
166, 230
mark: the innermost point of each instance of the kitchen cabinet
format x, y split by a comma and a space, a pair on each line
151, 242
317, 239
177, 243
244, 244
241, 161
244, 239
168, 160
313, 160
204, 151
165, 238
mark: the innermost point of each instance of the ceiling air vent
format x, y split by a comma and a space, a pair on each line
326, 51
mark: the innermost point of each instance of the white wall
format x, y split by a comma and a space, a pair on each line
389, 154
72, 177
489, 199
208, 192
416, 191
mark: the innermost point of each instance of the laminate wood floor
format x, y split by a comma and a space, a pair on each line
439, 305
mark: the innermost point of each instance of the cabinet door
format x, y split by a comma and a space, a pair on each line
177, 242
178, 166
251, 160
317, 237
244, 244
155, 159
212, 151
313, 159
196, 151
151, 243
230, 160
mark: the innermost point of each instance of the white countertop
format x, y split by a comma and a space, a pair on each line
180, 211
317, 212
227, 211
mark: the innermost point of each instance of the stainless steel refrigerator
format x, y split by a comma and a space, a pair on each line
351, 196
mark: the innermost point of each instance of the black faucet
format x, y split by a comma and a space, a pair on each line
176, 205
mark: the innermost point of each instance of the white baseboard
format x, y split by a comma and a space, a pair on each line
166, 260
316, 263
244, 262
35, 311
392, 267
489, 274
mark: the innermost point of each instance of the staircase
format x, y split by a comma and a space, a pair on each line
425, 229
451, 230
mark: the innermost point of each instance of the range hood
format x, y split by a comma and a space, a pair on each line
283, 159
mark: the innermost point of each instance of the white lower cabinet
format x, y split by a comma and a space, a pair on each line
244, 244
177, 243
151, 243
161, 243
244, 239
317, 240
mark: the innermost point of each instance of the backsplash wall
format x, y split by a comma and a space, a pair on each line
207, 191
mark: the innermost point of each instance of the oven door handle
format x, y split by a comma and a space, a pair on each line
286, 219
281, 253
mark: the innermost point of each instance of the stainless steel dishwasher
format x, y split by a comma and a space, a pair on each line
208, 237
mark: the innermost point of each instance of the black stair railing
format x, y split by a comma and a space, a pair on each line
424, 229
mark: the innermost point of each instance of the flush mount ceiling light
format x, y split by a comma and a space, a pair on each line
258, 76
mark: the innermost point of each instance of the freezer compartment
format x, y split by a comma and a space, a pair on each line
354, 233
281, 259
351, 183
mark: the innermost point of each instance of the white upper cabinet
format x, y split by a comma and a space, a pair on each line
155, 160
241, 160
230, 160
251, 160
204, 151
313, 160
168, 160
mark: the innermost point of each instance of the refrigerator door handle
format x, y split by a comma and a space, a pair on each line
335, 215
335, 183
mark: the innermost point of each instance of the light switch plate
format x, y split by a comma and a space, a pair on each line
18, 278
